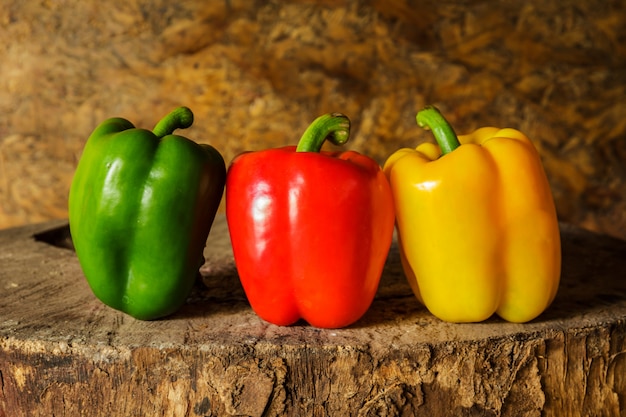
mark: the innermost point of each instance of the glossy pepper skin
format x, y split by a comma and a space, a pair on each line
477, 225
141, 205
310, 229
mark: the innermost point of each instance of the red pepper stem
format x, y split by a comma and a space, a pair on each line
179, 118
335, 127
431, 118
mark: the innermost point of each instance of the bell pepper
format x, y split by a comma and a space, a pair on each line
141, 205
477, 225
310, 229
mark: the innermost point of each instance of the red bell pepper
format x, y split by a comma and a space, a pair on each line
310, 229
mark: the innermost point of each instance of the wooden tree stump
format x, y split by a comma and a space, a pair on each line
63, 353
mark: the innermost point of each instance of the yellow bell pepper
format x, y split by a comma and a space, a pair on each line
476, 221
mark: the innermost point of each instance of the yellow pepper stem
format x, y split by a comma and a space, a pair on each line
430, 118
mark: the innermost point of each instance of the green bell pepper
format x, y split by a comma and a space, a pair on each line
141, 206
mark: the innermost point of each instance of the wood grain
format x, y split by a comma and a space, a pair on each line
64, 353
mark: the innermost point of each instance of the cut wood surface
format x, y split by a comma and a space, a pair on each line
64, 353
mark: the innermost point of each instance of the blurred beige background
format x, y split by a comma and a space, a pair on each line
256, 73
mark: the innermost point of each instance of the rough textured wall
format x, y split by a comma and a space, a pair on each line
255, 73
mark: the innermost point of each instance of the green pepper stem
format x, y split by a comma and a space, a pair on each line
431, 118
179, 118
335, 127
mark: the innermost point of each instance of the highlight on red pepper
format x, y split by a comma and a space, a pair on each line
141, 205
310, 229
477, 225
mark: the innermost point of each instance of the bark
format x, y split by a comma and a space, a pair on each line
63, 353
